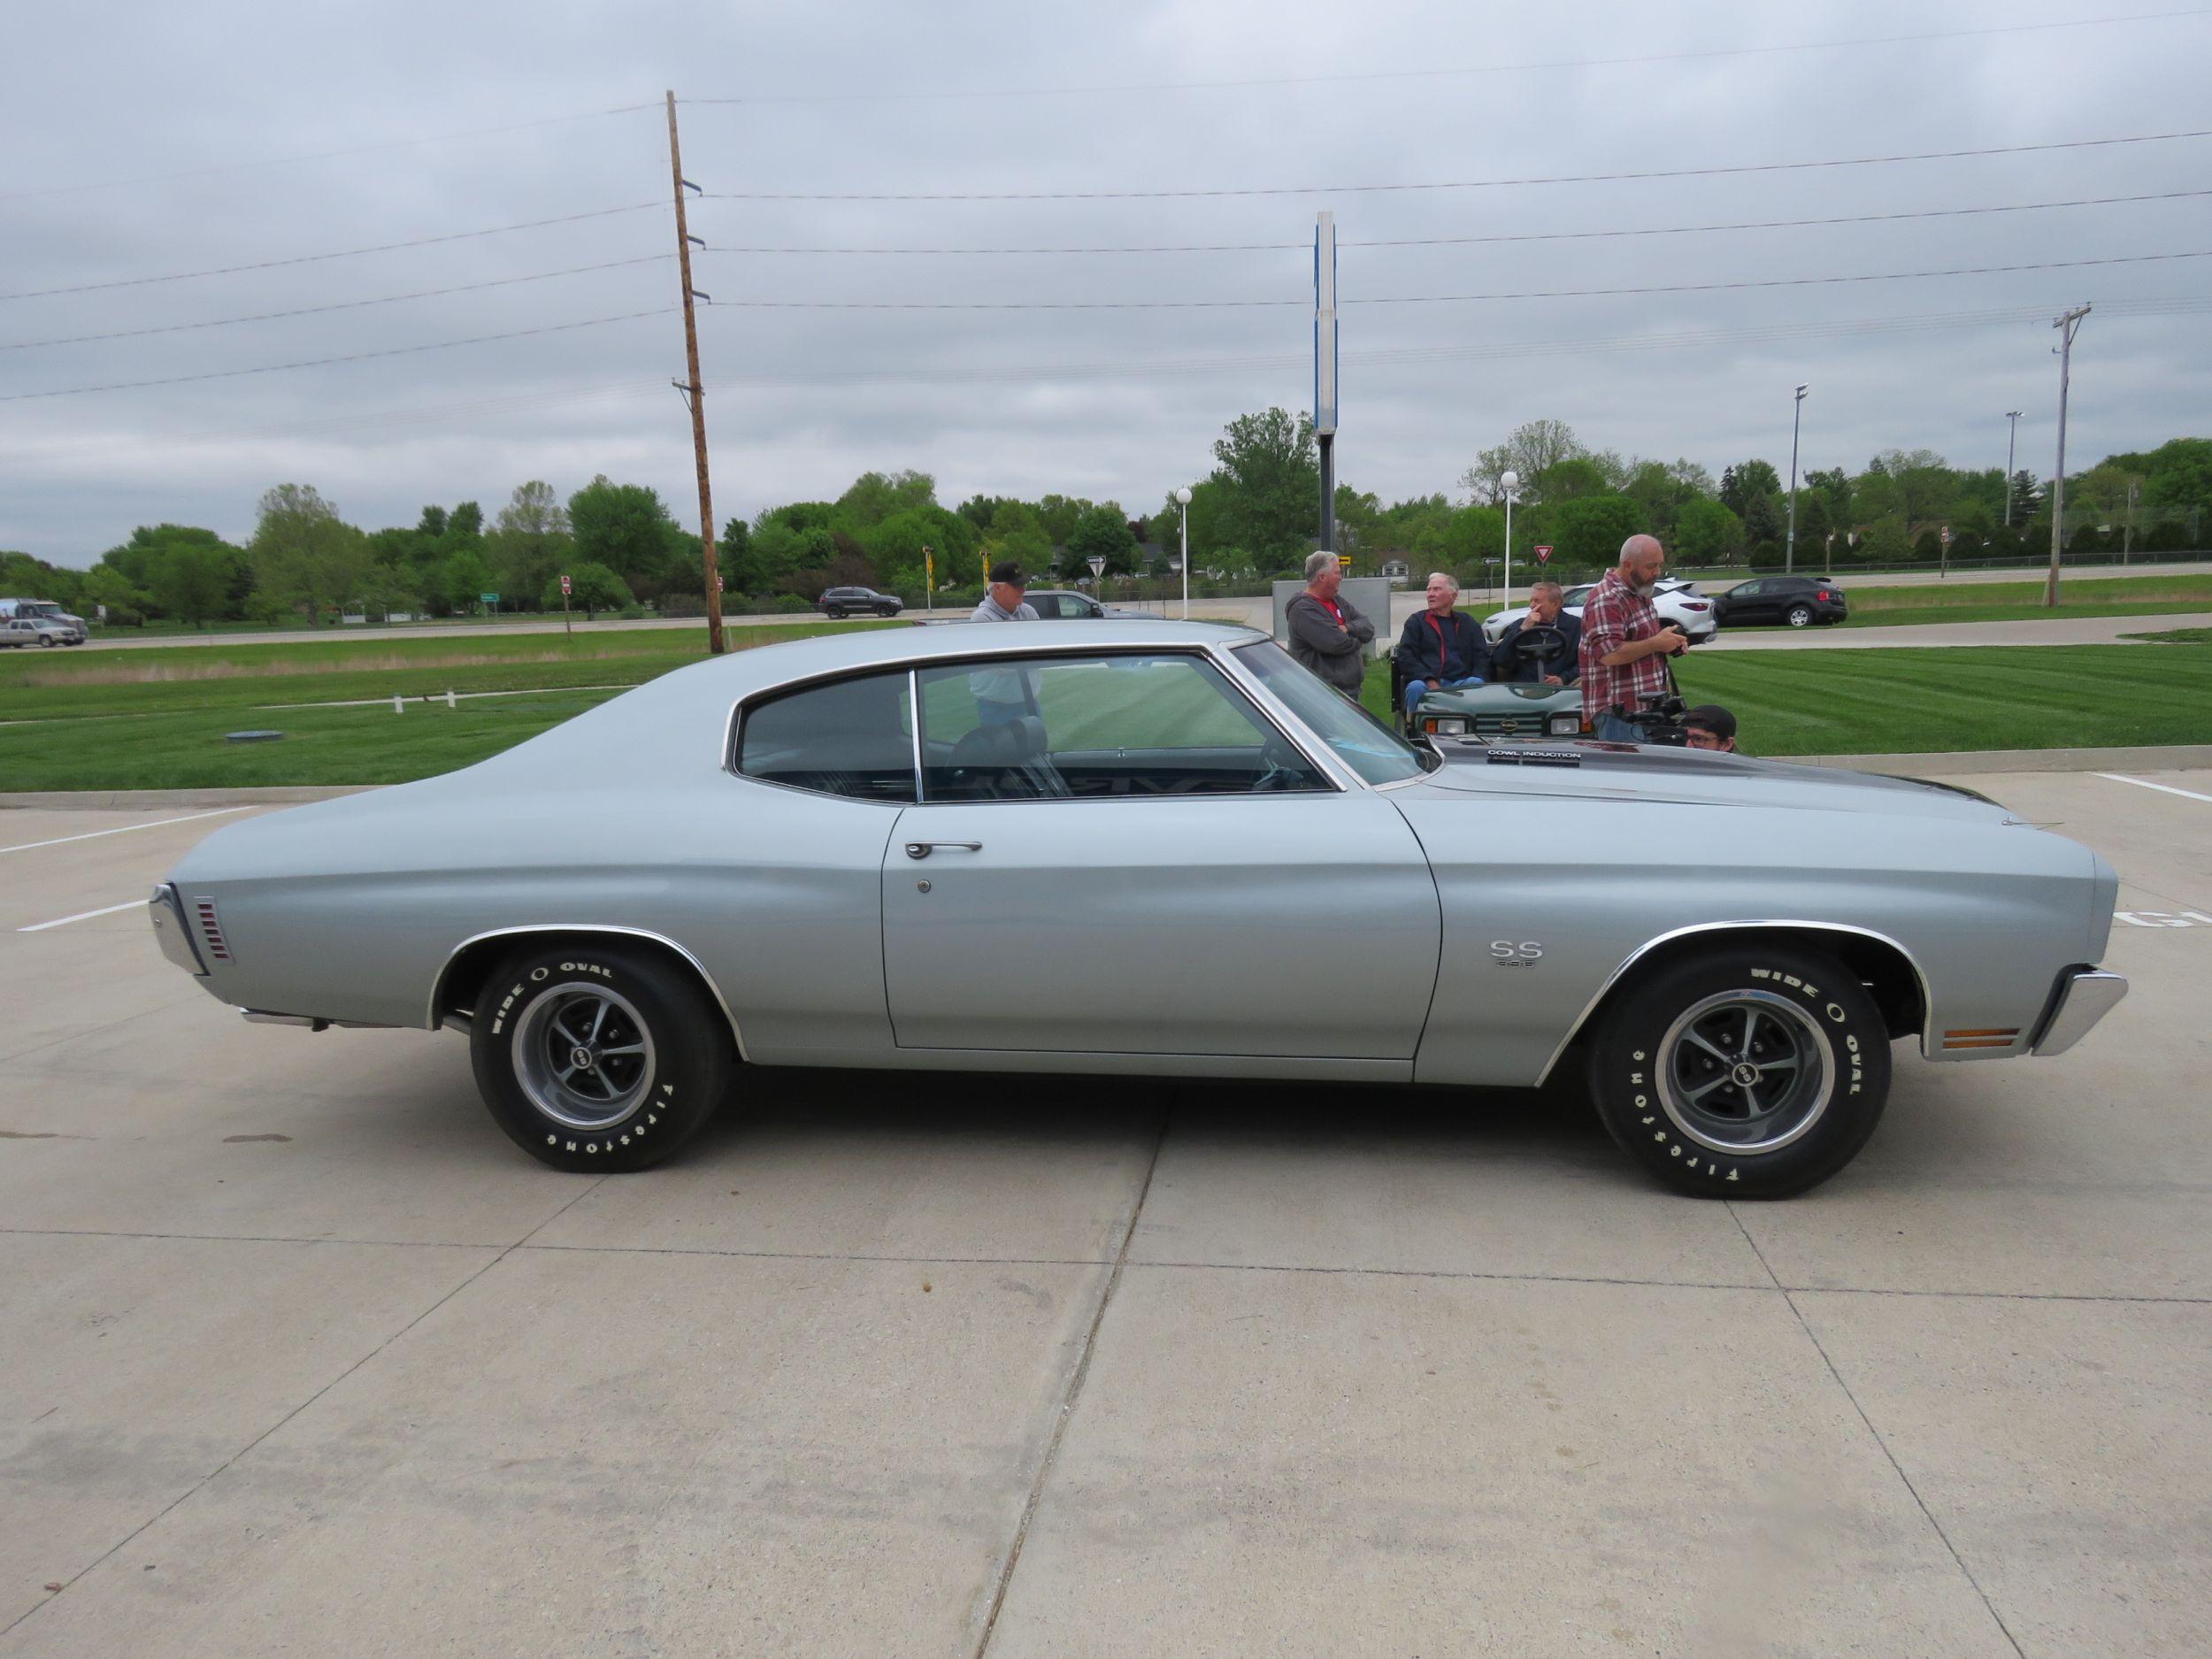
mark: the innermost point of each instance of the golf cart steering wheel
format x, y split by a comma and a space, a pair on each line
1538, 645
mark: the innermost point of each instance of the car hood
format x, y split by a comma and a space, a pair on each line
1590, 770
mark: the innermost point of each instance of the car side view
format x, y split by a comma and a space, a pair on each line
837, 603
1145, 850
1796, 601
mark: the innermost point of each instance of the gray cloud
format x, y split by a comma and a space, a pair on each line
1107, 402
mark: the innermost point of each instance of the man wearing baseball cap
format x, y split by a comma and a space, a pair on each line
1004, 601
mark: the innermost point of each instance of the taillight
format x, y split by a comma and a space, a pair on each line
1823, 594
1691, 604
210, 930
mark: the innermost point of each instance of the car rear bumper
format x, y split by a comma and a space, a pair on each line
2081, 998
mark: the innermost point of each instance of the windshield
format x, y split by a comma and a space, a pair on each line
1360, 741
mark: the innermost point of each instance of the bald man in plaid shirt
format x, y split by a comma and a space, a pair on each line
1624, 645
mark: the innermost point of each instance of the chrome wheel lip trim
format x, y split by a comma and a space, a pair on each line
1818, 1051
536, 1033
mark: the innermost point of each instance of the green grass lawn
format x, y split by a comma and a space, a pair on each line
1940, 700
2021, 602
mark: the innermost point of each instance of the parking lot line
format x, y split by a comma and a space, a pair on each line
81, 916
125, 829
2163, 789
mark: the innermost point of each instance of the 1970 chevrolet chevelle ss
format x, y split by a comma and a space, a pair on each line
1149, 848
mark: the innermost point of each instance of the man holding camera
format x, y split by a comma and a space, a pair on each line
1624, 645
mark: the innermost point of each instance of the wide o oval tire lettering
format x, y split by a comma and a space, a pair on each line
692, 1055
1628, 1056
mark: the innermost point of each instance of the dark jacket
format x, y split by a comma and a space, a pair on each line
1338, 655
1566, 665
1454, 654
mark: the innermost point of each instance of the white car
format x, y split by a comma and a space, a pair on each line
35, 631
1677, 601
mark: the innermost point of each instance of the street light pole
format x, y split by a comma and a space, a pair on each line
1182, 502
1508, 481
1789, 550
2068, 323
2012, 433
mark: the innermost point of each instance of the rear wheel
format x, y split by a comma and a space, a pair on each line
1750, 1072
1799, 616
595, 1058
835, 613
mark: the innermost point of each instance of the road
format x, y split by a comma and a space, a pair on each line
303, 1357
1254, 612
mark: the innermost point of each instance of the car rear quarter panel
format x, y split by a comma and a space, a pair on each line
1988, 914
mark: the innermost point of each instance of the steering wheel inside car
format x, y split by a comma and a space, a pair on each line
1539, 645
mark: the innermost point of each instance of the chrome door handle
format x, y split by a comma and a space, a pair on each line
922, 850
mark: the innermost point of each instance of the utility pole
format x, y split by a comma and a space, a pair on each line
1789, 550
695, 393
2067, 324
2012, 433
1324, 369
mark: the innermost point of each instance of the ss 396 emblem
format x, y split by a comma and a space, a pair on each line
1508, 954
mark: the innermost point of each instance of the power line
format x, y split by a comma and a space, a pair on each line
1450, 184
1434, 74
336, 305
317, 362
341, 253
1433, 299
1515, 237
323, 155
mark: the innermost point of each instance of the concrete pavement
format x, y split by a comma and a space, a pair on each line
305, 1357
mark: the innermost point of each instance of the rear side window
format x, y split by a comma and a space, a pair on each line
850, 737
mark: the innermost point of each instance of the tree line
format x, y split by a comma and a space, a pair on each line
1254, 517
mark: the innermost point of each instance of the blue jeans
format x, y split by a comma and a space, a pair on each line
1609, 726
1417, 690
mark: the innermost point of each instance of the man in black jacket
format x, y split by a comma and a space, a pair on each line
1439, 647
1326, 633
1565, 666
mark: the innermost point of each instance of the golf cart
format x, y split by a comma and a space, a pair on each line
1500, 708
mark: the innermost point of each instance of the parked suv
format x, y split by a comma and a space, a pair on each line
1798, 601
35, 631
847, 602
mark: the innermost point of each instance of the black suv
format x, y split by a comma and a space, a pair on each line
1798, 601
847, 602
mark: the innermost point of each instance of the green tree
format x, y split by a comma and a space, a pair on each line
875, 496
1576, 478
464, 578
530, 542
625, 526
192, 580
466, 519
1706, 532
1741, 483
1102, 532
1531, 450
433, 522
595, 588
1271, 482
105, 586
1057, 515
304, 557
1590, 531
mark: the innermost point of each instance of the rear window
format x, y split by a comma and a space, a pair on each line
849, 737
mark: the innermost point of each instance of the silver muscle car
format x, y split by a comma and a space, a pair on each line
1149, 848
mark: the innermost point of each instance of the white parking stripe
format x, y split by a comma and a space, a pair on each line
95, 834
2163, 789
81, 916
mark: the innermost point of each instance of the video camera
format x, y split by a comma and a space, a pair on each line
1659, 722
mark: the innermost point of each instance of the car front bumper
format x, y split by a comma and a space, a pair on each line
2082, 997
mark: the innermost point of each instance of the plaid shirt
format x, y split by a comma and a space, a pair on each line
1614, 615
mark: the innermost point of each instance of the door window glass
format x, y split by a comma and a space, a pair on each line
850, 737
1088, 728
1364, 743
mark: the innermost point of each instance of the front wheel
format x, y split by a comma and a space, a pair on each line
1750, 1072
1799, 615
49, 641
598, 1058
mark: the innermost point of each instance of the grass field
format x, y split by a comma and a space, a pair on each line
158, 718
2020, 602
1935, 700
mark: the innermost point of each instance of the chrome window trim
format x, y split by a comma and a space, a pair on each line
437, 985
1762, 925
735, 734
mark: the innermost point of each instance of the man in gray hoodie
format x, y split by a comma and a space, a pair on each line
1327, 634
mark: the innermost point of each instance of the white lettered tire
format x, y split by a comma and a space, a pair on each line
598, 1058
1743, 1072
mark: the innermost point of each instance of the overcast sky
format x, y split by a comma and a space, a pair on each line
149, 140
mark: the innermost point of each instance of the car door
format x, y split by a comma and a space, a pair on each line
1746, 602
1146, 864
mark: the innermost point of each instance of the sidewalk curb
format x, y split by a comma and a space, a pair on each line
99, 800
2166, 758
